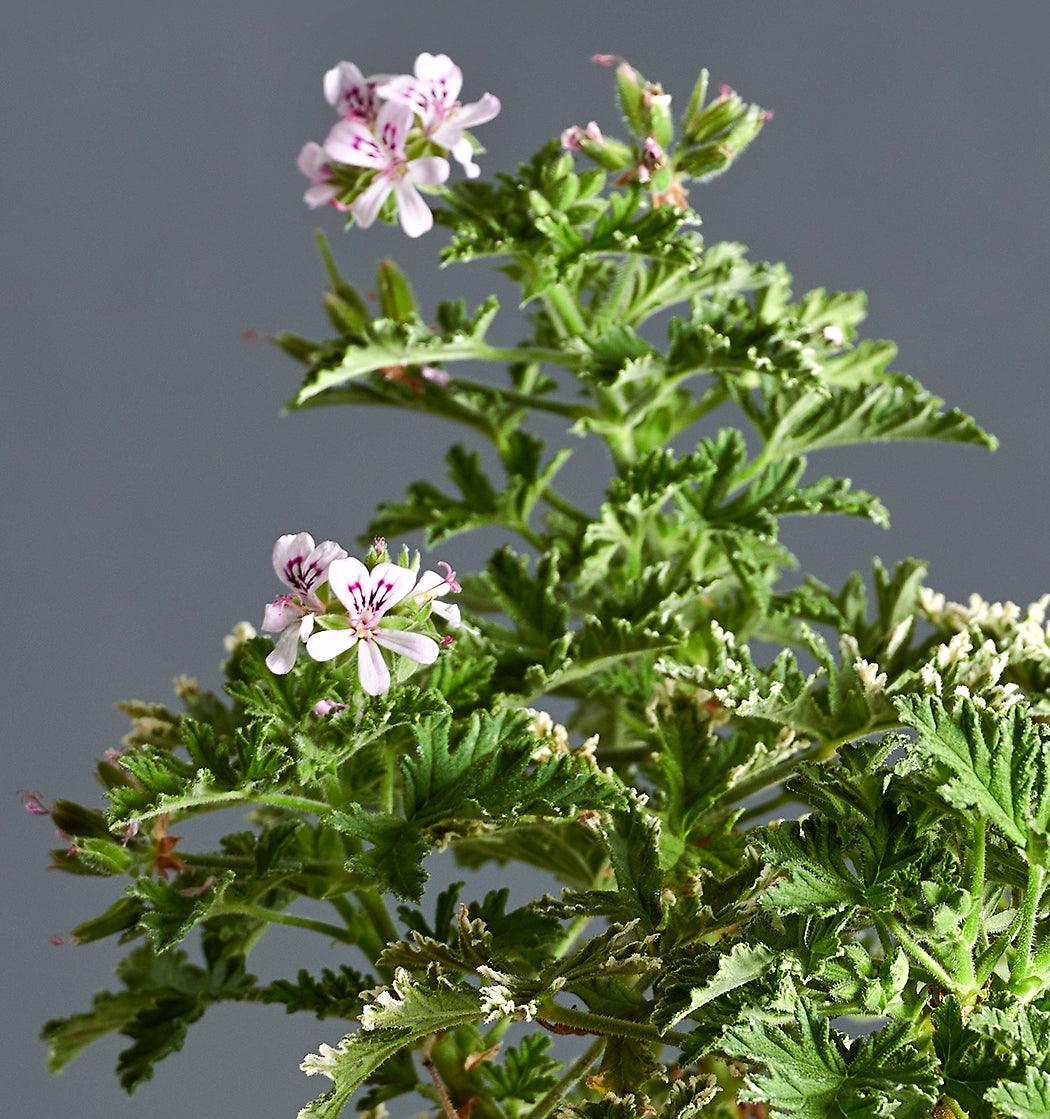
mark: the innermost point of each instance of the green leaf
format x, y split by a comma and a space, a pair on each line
997, 764
738, 967
409, 1011
459, 783
794, 421
1025, 1099
813, 1073
164, 995
333, 994
393, 342
970, 1065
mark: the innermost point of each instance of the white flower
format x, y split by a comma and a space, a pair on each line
353, 143
432, 94
367, 596
303, 567
351, 94
432, 586
313, 164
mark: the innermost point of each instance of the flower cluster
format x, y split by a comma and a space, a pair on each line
358, 615
386, 141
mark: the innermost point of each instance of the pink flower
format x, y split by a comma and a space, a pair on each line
432, 95
571, 137
432, 586
303, 567
325, 707
34, 804
312, 163
367, 596
435, 376
351, 94
383, 151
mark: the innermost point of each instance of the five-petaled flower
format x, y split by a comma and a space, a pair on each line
314, 165
432, 94
367, 596
383, 151
351, 94
303, 567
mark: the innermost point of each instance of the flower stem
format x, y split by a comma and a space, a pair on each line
575, 1072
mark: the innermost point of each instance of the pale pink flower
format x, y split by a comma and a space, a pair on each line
432, 94
432, 586
383, 151
34, 803
314, 166
571, 137
435, 376
351, 94
367, 596
302, 566
325, 707
652, 158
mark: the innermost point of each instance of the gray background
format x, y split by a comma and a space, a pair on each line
151, 215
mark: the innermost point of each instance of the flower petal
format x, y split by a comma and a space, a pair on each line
289, 552
306, 626
430, 585
371, 669
279, 615
427, 169
477, 112
330, 643
415, 646
443, 76
405, 90
311, 161
413, 213
342, 76
463, 153
351, 584
320, 194
390, 584
366, 206
352, 143
392, 124
319, 560
283, 655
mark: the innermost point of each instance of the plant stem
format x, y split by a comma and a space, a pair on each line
526, 400
277, 917
563, 301
575, 1072
971, 926
294, 803
556, 501
1029, 911
917, 952
604, 1024
376, 911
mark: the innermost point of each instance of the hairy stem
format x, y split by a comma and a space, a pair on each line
574, 1073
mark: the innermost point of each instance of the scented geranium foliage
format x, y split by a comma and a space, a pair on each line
881, 950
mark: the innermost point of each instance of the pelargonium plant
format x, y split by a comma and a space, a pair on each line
810, 883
